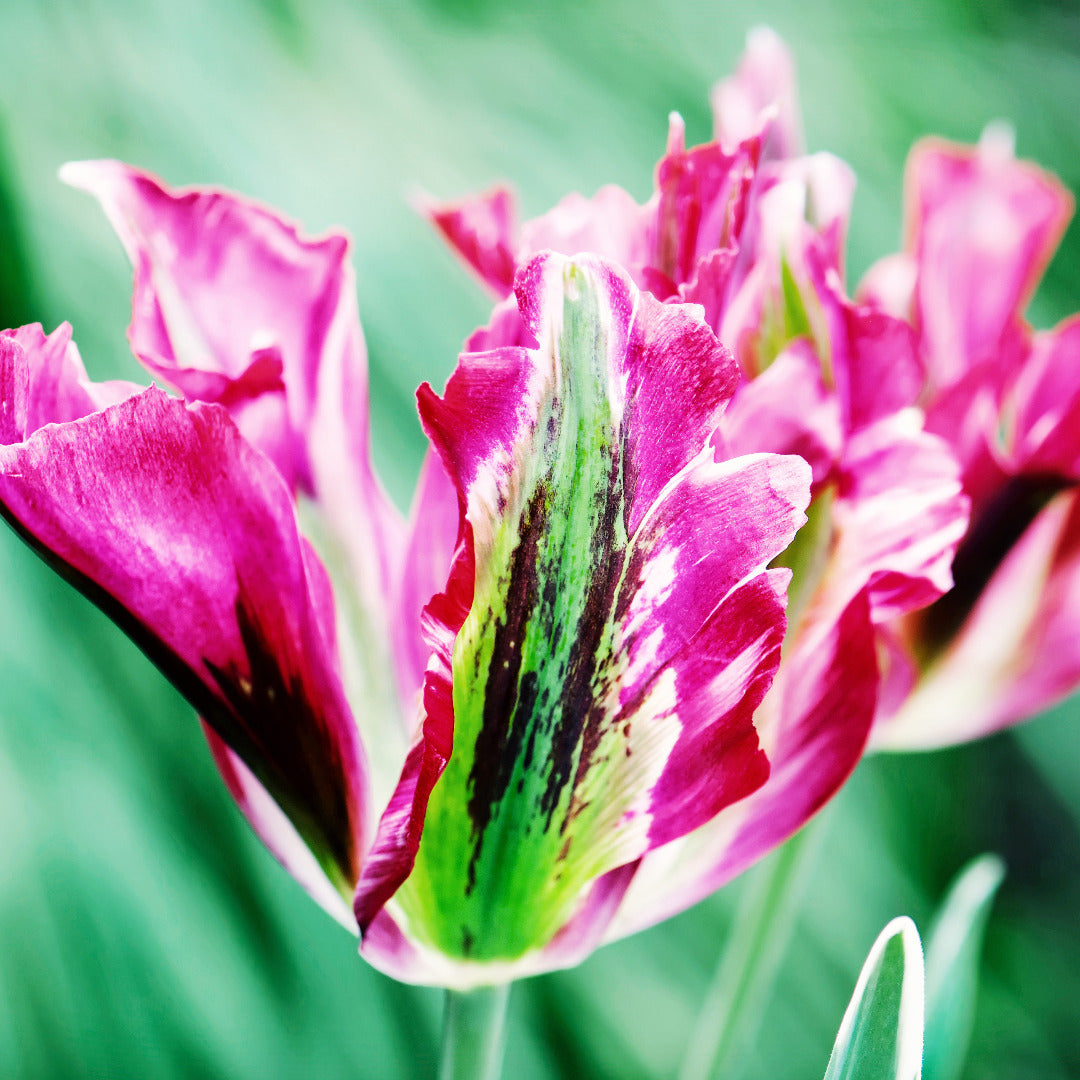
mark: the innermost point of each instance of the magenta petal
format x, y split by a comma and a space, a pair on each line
611, 224
764, 80
14, 392
57, 386
825, 707
787, 409
1015, 654
481, 230
874, 356
814, 727
1045, 405
983, 228
899, 515
233, 305
889, 286
623, 629
187, 537
276, 831
397, 839
701, 205
432, 540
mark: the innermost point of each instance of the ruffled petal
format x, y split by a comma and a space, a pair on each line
982, 228
1013, 655
700, 206
873, 356
169, 520
482, 231
623, 626
899, 515
233, 305
787, 409
763, 89
814, 726
610, 224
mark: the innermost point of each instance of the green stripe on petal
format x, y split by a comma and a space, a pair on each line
622, 628
504, 829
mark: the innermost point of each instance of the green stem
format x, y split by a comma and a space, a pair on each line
473, 1033
764, 921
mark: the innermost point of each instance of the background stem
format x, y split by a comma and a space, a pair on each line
473, 1033
731, 1014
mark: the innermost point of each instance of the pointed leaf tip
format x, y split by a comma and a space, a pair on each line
881, 1035
953, 949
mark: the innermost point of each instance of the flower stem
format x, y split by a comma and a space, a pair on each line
764, 921
473, 1030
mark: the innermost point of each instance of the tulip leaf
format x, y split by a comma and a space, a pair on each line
880, 1037
953, 948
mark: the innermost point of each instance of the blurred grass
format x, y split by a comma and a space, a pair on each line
143, 931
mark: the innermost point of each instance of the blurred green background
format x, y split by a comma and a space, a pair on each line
144, 932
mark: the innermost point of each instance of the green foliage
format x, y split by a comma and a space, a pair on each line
953, 950
881, 1035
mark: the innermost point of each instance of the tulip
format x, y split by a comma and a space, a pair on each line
465, 736
1005, 643
755, 236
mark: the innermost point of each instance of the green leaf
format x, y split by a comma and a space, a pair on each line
881, 1035
954, 945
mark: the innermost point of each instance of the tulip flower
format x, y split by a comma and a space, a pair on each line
756, 237
473, 787
1005, 643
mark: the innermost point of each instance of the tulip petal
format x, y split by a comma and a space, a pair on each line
276, 831
814, 726
623, 626
432, 541
873, 357
610, 224
168, 520
787, 409
1014, 654
899, 516
230, 303
1045, 405
701, 205
764, 79
983, 227
233, 305
54, 380
482, 230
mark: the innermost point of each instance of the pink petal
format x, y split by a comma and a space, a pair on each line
899, 515
786, 410
233, 305
765, 79
873, 356
983, 227
185, 535
432, 540
1045, 405
482, 231
701, 205
57, 386
889, 286
1015, 654
814, 725
276, 831
611, 224
658, 725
